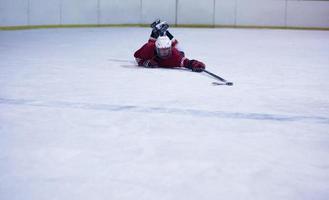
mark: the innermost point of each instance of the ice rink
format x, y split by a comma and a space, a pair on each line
79, 120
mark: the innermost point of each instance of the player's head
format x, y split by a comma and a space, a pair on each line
163, 47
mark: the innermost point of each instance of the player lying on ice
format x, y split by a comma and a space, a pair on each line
161, 51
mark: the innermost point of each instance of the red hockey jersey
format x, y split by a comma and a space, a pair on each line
148, 51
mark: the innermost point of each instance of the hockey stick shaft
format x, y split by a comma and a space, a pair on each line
218, 77
214, 75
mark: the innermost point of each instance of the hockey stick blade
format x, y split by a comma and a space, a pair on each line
224, 83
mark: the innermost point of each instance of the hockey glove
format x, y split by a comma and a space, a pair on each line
151, 63
196, 66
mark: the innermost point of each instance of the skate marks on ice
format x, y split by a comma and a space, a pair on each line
164, 110
118, 60
124, 62
133, 64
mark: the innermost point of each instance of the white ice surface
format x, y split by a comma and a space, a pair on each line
76, 124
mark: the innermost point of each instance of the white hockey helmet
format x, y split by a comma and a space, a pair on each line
163, 46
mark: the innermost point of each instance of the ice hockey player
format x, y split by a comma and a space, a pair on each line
161, 51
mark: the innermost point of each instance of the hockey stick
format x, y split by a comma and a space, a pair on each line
225, 82
219, 78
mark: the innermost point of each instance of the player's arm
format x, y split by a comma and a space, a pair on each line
194, 65
145, 56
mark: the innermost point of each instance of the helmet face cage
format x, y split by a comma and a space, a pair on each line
163, 47
164, 52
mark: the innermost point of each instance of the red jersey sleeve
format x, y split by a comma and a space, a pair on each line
146, 52
174, 42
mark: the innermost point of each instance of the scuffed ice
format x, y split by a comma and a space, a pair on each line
78, 119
